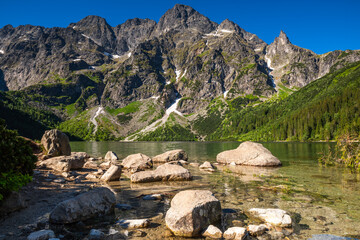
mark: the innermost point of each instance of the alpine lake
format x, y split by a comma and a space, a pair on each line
320, 200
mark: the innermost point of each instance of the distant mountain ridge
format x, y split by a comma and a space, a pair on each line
184, 58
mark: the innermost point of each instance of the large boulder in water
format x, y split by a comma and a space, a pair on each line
112, 174
192, 211
250, 154
56, 143
66, 163
137, 162
99, 201
169, 156
165, 172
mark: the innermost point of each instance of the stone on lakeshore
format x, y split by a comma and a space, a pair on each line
111, 156
66, 163
328, 237
41, 235
105, 165
137, 162
153, 197
275, 217
250, 154
133, 223
192, 211
169, 156
56, 143
96, 235
194, 164
90, 164
213, 232
165, 172
256, 230
99, 201
235, 233
91, 176
207, 166
112, 174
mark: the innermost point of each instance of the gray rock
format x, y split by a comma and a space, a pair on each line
191, 212
137, 162
96, 202
111, 156
257, 230
105, 165
112, 174
41, 235
133, 223
96, 235
153, 197
173, 155
249, 153
66, 163
56, 143
165, 172
213, 232
276, 217
207, 166
235, 233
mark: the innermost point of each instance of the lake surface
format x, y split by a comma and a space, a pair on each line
321, 200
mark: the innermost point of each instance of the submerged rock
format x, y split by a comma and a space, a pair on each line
41, 235
56, 143
249, 153
213, 232
165, 172
276, 217
137, 162
207, 166
192, 211
133, 223
66, 163
169, 156
112, 174
234, 233
96, 202
111, 156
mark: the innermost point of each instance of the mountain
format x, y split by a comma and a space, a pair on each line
142, 79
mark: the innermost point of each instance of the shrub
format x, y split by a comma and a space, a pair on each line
16, 161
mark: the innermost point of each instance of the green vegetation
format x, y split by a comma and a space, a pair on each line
130, 108
346, 152
16, 162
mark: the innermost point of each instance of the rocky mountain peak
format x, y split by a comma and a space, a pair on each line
184, 17
90, 21
229, 26
282, 38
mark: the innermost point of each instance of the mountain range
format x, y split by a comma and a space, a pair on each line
183, 78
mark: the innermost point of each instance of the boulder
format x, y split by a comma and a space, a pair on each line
165, 172
169, 156
112, 174
41, 235
111, 156
250, 154
275, 217
191, 212
137, 162
207, 166
99, 201
56, 143
133, 223
96, 235
66, 163
235, 233
105, 165
256, 230
213, 232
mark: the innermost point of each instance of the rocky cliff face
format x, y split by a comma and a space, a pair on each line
184, 57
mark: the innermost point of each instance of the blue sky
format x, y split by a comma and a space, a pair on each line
318, 25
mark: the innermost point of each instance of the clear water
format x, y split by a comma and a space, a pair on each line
321, 200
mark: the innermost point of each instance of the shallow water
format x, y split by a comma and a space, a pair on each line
320, 199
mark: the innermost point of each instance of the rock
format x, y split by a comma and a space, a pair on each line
207, 166
96, 235
235, 233
173, 155
111, 156
191, 212
99, 172
153, 197
56, 143
91, 176
194, 164
67, 163
96, 202
112, 174
165, 172
41, 235
328, 237
66, 174
13, 202
256, 230
249, 153
276, 217
105, 165
137, 162
90, 164
213, 232
133, 223
60, 180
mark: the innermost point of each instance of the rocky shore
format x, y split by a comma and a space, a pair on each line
72, 196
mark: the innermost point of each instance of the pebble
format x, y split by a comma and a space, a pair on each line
133, 223
153, 197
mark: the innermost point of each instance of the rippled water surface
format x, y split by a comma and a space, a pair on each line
320, 199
